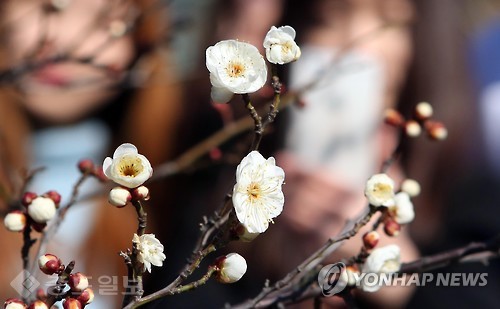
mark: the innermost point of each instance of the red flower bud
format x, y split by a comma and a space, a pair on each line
86, 166
86, 297
78, 282
53, 195
391, 227
27, 198
436, 130
370, 239
72, 303
394, 118
49, 264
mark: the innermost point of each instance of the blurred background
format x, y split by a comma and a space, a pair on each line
78, 78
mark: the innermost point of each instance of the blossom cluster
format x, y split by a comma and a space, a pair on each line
238, 68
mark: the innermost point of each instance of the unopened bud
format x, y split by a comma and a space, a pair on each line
436, 130
15, 221
42, 209
231, 268
423, 111
393, 117
78, 282
28, 197
14, 303
53, 195
140, 193
370, 239
243, 234
49, 264
411, 187
38, 304
72, 303
412, 128
391, 227
86, 166
99, 174
86, 297
119, 196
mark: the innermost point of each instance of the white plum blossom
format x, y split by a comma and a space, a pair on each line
381, 260
257, 195
402, 211
150, 250
127, 167
119, 196
235, 67
14, 303
15, 221
280, 45
232, 267
379, 190
42, 209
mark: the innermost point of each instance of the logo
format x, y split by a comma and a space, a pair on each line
24, 283
330, 279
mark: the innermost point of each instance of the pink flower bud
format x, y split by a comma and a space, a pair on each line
436, 130
99, 174
140, 193
231, 268
27, 198
72, 303
423, 111
78, 282
53, 195
394, 118
119, 197
42, 209
370, 239
86, 166
86, 297
38, 304
14, 303
49, 264
412, 128
15, 221
391, 227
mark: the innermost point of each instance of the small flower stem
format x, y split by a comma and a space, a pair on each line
56, 292
53, 227
258, 129
274, 107
25, 250
168, 290
195, 284
142, 217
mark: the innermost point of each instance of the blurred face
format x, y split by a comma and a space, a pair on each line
68, 90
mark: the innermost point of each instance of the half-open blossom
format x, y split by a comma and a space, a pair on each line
150, 250
15, 221
257, 195
382, 260
280, 45
235, 67
402, 211
379, 190
231, 268
127, 167
42, 209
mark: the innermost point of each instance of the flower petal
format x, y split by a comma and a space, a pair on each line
221, 95
125, 148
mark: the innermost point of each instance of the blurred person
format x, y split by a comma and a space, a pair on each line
121, 89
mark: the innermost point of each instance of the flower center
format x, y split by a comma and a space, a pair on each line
254, 191
235, 69
130, 166
381, 190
